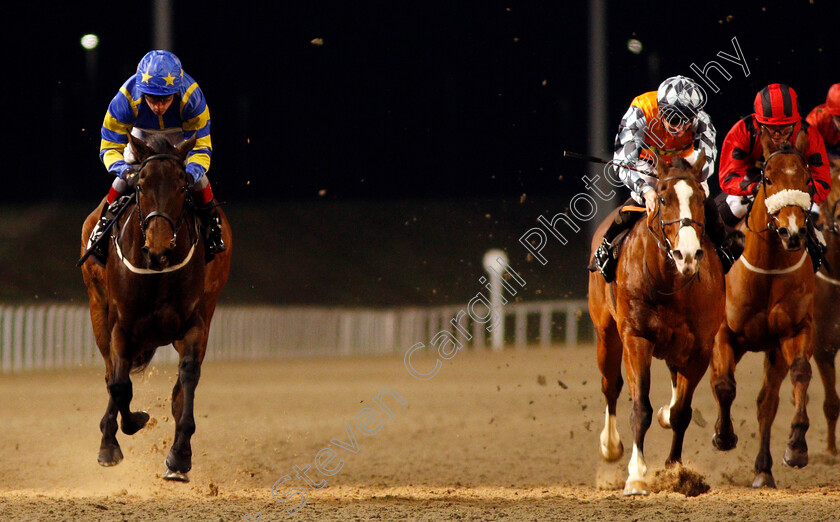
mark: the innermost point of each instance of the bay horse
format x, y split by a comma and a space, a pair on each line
769, 306
826, 297
155, 289
666, 302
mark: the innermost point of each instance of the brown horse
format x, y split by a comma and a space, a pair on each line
666, 302
155, 289
826, 297
769, 305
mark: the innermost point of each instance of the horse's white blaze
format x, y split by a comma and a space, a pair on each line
610, 441
637, 467
687, 241
793, 228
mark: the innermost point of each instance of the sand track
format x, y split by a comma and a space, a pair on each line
484, 439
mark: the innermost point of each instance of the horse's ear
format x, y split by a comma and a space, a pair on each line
802, 142
661, 168
766, 142
185, 147
698, 165
140, 148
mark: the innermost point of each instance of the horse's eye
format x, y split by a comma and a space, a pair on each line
661, 200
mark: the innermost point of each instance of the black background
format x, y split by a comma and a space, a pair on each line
403, 99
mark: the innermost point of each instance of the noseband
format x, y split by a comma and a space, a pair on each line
773, 225
146, 220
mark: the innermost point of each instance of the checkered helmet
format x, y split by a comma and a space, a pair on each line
680, 99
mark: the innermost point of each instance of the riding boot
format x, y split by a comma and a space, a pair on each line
815, 242
605, 258
109, 212
211, 224
729, 243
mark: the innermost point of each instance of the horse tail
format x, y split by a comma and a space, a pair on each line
139, 364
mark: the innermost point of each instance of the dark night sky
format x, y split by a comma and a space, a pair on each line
404, 99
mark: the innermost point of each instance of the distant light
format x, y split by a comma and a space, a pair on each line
634, 46
90, 41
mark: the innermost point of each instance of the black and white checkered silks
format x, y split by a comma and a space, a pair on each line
679, 97
630, 140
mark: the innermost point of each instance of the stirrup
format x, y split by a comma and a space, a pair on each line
603, 261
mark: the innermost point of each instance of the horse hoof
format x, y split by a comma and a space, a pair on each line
764, 480
660, 416
724, 443
796, 458
135, 422
175, 476
635, 487
612, 454
110, 456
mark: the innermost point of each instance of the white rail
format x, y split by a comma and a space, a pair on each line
60, 336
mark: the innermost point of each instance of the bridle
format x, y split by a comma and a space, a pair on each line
664, 243
146, 220
773, 222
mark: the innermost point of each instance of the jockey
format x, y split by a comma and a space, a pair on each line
826, 119
776, 112
659, 126
160, 98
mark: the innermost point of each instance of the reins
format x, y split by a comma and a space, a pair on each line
145, 221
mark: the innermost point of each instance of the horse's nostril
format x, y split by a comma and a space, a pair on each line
145, 250
678, 255
784, 232
699, 255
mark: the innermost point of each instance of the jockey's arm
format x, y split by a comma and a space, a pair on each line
735, 162
818, 161
629, 142
196, 117
704, 140
118, 122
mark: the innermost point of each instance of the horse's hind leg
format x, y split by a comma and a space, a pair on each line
775, 368
191, 354
679, 412
723, 364
609, 362
664, 413
824, 357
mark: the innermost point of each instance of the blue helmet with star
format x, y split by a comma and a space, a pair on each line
159, 73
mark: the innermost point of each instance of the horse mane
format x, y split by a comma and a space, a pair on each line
159, 144
681, 162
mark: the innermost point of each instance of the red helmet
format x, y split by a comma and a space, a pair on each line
832, 101
776, 104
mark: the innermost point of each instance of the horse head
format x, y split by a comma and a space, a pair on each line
679, 220
162, 187
785, 189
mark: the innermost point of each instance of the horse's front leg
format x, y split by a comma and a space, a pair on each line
724, 360
110, 453
120, 386
191, 354
637, 358
609, 362
775, 368
797, 352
